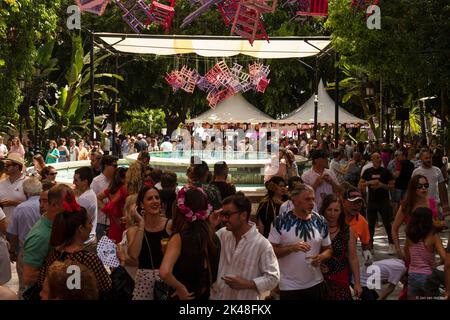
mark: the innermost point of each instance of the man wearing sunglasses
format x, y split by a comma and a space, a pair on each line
438, 188
248, 266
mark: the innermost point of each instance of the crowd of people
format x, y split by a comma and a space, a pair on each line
204, 241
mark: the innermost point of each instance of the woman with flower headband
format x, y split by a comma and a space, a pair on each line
269, 206
191, 261
71, 228
145, 241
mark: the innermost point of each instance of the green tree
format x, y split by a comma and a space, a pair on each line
23, 25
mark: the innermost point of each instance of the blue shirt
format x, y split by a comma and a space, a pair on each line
24, 217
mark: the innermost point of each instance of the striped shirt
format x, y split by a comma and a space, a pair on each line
252, 259
422, 260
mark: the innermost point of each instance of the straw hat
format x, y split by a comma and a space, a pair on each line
14, 157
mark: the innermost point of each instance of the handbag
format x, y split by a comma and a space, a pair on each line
160, 289
122, 284
32, 292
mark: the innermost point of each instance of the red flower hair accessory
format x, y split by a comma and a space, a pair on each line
70, 204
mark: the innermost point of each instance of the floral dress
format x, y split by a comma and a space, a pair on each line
336, 270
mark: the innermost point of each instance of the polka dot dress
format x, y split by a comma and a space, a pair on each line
145, 283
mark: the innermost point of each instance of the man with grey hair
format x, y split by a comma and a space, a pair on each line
24, 216
301, 242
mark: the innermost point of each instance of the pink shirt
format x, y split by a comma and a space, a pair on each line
324, 189
422, 260
19, 150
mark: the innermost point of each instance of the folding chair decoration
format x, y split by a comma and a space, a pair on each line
97, 7
136, 13
247, 20
228, 9
162, 14
205, 6
220, 82
315, 8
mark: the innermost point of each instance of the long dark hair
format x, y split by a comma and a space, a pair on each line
196, 201
410, 198
420, 225
65, 226
327, 201
276, 180
117, 182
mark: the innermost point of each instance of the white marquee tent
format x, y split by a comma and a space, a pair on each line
233, 110
304, 115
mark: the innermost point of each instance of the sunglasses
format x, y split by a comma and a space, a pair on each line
422, 186
227, 214
53, 173
113, 165
10, 165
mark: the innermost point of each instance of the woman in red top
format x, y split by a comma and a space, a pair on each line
117, 194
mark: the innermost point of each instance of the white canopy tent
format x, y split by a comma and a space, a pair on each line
233, 110
304, 115
214, 46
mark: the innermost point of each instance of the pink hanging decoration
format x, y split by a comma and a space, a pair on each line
221, 82
175, 80
247, 21
227, 9
204, 85
189, 78
136, 13
162, 14
262, 84
317, 8
97, 7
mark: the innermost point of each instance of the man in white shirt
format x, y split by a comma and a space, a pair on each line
23, 219
387, 271
321, 179
11, 189
98, 185
301, 242
3, 149
438, 188
87, 199
248, 266
166, 146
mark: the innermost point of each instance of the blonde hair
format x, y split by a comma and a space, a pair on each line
127, 210
133, 179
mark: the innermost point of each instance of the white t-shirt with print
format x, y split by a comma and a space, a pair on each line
434, 176
296, 271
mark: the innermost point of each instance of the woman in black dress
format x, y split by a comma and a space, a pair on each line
191, 261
